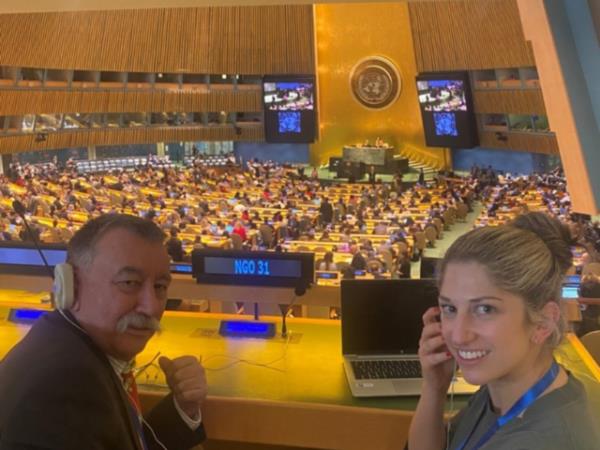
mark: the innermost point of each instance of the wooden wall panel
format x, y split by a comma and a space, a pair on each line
16, 102
72, 139
524, 101
241, 39
469, 34
530, 142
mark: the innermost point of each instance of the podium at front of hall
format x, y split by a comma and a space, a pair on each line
381, 159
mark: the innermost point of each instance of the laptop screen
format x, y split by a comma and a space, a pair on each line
572, 279
381, 317
570, 291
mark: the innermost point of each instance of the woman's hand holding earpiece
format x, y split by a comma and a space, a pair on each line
437, 363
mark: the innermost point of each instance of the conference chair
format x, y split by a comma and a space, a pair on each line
420, 242
237, 241
592, 268
448, 219
591, 341
266, 234
388, 259
430, 235
439, 226
401, 247
375, 266
461, 212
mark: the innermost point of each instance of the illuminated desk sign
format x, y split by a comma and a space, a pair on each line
246, 268
247, 328
181, 268
25, 316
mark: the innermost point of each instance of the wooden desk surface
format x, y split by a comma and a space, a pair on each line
284, 391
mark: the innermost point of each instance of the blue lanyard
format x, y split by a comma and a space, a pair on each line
522, 404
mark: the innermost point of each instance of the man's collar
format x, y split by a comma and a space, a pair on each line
121, 366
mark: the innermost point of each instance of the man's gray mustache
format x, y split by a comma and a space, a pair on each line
138, 321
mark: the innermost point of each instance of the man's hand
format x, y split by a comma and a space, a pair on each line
187, 380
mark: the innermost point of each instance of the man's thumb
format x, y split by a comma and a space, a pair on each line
166, 365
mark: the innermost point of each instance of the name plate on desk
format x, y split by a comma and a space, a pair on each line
243, 268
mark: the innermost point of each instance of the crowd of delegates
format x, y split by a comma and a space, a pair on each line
510, 196
266, 205
262, 207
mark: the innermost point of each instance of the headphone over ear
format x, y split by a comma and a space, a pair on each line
64, 289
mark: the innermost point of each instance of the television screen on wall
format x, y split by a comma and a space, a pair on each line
289, 95
447, 109
289, 106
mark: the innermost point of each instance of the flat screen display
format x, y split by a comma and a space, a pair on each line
24, 259
234, 267
445, 124
383, 317
262, 267
289, 102
442, 95
289, 95
570, 291
446, 109
31, 257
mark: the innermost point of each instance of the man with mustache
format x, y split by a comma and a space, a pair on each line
68, 384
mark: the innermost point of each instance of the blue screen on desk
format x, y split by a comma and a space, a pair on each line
573, 279
215, 265
181, 268
570, 292
30, 256
327, 275
25, 316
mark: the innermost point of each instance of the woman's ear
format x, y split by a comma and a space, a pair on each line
550, 316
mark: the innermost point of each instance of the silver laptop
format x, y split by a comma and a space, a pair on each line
381, 327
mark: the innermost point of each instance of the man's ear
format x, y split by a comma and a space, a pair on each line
550, 316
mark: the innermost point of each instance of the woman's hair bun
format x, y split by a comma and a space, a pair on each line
552, 232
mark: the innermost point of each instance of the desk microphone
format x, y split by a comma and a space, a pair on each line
20, 210
299, 291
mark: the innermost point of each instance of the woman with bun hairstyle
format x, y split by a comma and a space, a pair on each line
499, 320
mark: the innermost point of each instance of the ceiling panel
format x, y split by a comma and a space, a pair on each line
95, 5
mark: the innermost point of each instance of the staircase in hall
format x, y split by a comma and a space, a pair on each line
417, 161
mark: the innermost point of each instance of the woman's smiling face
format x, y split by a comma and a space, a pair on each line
485, 327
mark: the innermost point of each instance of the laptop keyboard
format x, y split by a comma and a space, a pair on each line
382, 369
